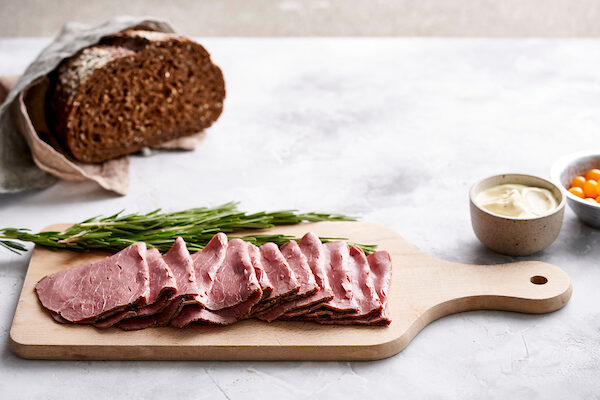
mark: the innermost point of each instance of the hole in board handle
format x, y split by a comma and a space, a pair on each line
538, 280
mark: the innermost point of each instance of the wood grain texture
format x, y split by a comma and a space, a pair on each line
423, 289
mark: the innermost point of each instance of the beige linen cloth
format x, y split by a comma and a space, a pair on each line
29, 157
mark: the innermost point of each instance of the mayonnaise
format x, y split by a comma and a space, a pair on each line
516, 201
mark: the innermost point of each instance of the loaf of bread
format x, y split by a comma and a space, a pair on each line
132, 90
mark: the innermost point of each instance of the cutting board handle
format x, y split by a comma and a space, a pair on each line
527, 286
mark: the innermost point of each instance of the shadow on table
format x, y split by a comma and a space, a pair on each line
63, 192
575, 240
579, 240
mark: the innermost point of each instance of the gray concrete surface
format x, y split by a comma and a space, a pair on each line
393, 130
493, 18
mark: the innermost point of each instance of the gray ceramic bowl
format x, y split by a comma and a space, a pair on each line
563, 172
516, 236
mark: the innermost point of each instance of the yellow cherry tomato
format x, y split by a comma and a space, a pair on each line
577, 191
598, 199
593, 174
590, 188
578, 181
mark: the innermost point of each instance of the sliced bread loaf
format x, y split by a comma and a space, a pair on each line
132, 90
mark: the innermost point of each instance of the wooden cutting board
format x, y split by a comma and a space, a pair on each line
423, 289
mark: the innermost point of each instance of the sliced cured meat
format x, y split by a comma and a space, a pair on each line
134, 324
380, 263
363, 290
196, 313
235, 279
303, 310
225, 282
170, 311
61, 320
308, 285
206, 264
332, 260
337, 265
162, 288
299, 265
180, 262
282, 278
280, 274
313, 250
58, 318
162, 281
98, 289
259, 269
115, 318
367, 320
173, 307
234, 292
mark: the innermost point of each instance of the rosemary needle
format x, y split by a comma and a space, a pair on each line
157, 229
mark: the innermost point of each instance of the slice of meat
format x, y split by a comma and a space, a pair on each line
337, 267
303, 310
98, 289
207, 263
60, 319
299, 265
259, 269
380, 264
135, 324
282, 278
113, 319
375, 320
308, 286
162, 311
313, 250
162, 281
278, 271
149, 318
363, 290
196, 313
173, 308
171, 311
235, 279
234, 292
162, 288
363, 287
216, 268
180, 262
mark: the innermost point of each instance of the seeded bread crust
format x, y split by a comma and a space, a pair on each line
132, 90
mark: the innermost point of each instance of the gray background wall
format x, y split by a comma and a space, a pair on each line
493, 18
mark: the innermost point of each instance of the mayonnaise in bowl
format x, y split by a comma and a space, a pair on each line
516, 201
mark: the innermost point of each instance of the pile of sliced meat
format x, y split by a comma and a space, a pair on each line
227, 281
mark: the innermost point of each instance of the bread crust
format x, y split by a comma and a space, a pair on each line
132, 90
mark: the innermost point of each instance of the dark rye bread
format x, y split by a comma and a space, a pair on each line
132, 90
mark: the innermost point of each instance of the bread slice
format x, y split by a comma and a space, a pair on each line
132, 90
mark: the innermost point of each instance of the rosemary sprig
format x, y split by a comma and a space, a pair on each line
196, 226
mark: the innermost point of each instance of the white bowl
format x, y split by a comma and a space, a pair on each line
563, 172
